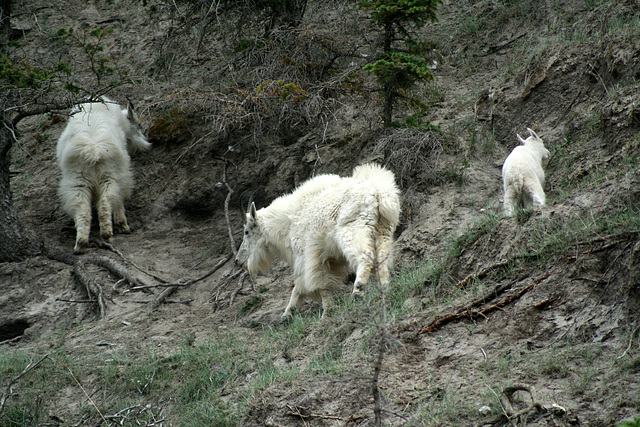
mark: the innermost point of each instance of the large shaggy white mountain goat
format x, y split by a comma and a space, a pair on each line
523, 174
326, 228
93, 154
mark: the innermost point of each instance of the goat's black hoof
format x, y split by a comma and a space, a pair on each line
285, 320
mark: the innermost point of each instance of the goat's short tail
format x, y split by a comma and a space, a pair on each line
384, 181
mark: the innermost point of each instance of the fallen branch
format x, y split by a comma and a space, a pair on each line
110, 247
7, 393
114, 267
468, 312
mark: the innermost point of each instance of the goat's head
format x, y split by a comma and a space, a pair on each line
536, 144
135, 137
255, 254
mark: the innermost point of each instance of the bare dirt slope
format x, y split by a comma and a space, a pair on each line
567, 333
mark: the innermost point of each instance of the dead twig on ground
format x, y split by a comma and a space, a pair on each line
506, 399
8, 391
86, 394
132, 414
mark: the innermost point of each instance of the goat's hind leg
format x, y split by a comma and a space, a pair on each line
82, 221
120, 219
109, 192
384, 259
361, 256
77, 201
510, 202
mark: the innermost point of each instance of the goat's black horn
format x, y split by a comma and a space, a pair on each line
251, 200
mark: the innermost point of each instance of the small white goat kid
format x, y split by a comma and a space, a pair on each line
326, 228
93, 154
523, 174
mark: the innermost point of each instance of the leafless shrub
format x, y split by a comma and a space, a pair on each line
411, 152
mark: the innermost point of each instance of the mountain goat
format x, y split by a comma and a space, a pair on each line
523, 174
326, 228
93, 155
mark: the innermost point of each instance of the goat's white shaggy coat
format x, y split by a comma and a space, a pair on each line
93, 154
326, 228
523, 174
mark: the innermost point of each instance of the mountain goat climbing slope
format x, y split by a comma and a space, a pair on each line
326, 228
93, 155
523, 174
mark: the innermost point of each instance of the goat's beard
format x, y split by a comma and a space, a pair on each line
260, 261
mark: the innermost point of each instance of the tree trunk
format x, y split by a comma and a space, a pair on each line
16, 243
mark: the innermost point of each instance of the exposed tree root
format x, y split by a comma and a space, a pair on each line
483, 273
469, 311
85, 279
173, 287
91, 287
510, 416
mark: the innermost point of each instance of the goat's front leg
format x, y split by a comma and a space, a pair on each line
294, 302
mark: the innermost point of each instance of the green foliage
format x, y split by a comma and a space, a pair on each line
400, 70
397, 11
245, 44
281, 91
23, 75
403, 61
90, 41
250, 305
635, 422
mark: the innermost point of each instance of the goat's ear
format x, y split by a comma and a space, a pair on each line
520, 138
533, 134
131, 114
252, 211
